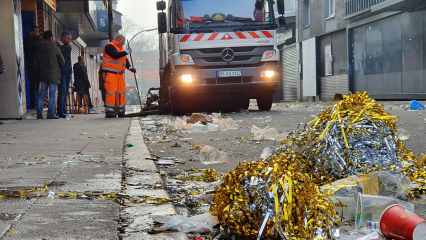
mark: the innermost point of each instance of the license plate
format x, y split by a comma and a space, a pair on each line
228, 74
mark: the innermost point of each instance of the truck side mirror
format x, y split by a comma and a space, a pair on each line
281, 21
161, 5
280, 5
162, 22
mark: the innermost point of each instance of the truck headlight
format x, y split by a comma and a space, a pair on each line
187, 78
186, 58
268, 74
268, 54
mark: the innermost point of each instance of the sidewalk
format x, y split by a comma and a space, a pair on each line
84, 155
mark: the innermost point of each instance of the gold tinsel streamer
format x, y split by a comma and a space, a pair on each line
293, 172
195, 174
304, 209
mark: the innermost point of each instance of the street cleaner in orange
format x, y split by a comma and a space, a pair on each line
113, 65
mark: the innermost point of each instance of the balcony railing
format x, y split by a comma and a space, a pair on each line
353, 6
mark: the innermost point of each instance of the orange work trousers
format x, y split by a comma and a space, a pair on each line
115, 88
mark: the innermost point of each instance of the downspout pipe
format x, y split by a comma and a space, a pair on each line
110, 21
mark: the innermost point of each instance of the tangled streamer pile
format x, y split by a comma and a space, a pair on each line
279, 197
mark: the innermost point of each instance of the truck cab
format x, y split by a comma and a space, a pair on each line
217, 55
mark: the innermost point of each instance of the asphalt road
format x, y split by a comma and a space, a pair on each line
284, 117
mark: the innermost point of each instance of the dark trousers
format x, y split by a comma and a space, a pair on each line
34, 85
63, 90
103, 92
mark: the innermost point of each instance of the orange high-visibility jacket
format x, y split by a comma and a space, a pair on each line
112, 64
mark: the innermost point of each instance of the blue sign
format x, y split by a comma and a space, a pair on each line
103, 24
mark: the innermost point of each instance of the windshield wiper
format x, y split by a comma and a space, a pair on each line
202, 25
242, 25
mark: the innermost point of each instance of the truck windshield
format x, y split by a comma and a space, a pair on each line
191, 14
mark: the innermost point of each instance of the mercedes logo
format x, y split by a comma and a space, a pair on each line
228, 54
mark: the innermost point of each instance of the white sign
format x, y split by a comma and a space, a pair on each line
328, 60
282, 37
51, 3
288, 34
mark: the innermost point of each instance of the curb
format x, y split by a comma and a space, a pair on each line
142, 171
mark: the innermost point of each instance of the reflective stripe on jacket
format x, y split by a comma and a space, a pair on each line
112, 64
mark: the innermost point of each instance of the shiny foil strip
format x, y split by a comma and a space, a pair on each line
205, 175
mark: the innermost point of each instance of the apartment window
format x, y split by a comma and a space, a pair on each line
306, 13
329, 8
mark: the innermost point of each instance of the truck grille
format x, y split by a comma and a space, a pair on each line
219, 59
219, 50
228, 80
212, 57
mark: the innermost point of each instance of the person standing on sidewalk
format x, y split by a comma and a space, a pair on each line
30, 42
113, 65
81, 81
47, 61
66, 72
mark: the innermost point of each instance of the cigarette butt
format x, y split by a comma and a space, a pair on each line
155, 231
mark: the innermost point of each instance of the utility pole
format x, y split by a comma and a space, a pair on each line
110, 20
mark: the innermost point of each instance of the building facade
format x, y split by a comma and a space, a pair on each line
362, 45
12, 82
286, 40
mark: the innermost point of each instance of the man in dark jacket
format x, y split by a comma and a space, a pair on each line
29, 49
48, 59
81, 81
66, 72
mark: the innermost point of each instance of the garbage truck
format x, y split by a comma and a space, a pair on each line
218, 54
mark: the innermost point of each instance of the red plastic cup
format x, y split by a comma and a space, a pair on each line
399, 224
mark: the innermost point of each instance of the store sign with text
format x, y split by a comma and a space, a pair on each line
51, 3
